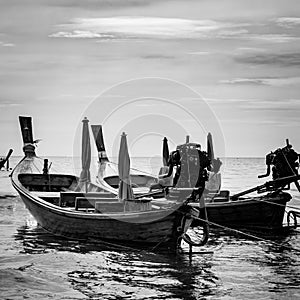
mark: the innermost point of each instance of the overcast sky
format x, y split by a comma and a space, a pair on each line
242, 56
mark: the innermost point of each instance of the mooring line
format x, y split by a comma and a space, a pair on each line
147, 173
278, 204
247, 234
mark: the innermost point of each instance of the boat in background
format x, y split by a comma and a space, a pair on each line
260, 213
5, 160
74, 207
256, 212
108, 174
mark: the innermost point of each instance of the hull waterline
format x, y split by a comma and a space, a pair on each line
163, 227
266, 212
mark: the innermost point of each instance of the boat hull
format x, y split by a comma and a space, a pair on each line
129, 221
265, 212
163, 229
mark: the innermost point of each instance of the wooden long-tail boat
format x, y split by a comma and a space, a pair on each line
96, 213
262, 212
258, 213
107, 172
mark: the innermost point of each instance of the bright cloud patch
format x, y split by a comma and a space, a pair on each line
288, 22
6, 44
275, 38
146, 27
172, 28
81, 34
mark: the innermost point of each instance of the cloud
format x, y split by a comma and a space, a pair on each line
279, 107
8, 105
288, 22
282, 81
103, 4
200, 53
250, 49
283, 105
86, 4
245, 81
275, 38
147, 27
3, 44
81, 34
271, 81
158, 56
139, 27
284, 59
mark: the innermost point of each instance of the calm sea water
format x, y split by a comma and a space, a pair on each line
37, 265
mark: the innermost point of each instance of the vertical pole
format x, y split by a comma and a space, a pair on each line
190, 251
45, 169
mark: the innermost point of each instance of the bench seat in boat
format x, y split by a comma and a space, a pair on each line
45, 195
109, 206
222, 196
69, 198
113, 205
141, 204
51, 197
89, 202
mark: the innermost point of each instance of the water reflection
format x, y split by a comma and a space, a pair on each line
283, 267
144, 276
107, 272
38, 265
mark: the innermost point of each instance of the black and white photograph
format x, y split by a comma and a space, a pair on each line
150, 149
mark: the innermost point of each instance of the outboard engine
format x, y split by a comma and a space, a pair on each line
285, 162
191, 166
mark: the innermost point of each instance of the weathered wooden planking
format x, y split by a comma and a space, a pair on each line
46, 182
146, 228
249, 212
163, 226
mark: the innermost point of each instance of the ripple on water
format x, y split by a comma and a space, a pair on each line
37, 265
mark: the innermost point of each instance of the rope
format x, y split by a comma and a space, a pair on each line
147, 173
36, 167
51, 166
247, 234
159, 243
96, 242
288, 163
278, 204
296, 182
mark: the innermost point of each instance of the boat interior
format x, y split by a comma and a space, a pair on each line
65, 191
137, 180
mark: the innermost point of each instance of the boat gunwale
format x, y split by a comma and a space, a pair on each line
248, 200
120, 216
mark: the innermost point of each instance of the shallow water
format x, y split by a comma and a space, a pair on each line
37, 265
